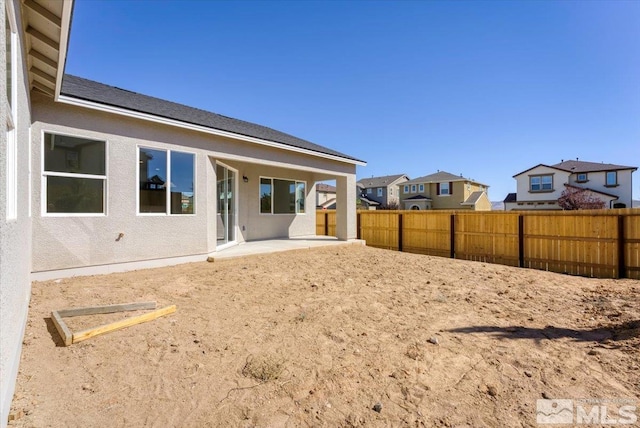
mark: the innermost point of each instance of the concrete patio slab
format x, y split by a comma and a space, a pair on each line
277, 245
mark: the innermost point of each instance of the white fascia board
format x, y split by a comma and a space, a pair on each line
172, 122
67, 8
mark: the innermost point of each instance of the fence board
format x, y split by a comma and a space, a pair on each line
632, 245
583, 243
487, 237
426, 234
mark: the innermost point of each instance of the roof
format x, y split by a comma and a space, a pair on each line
440, 177
577, 166
473, 198
369, 201
511, 197
321, 187
380, 181
417, 198
88, 90
586, 189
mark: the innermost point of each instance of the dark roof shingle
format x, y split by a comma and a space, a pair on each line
84, 89
379, 181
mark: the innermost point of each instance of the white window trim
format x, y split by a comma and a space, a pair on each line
283, 179
413, 188
448, 190
379, 192
236, 205
167, 212
406, 188
421, 188
369, 190
44, 174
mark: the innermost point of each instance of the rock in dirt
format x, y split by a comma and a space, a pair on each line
527, 373
492, 390
546, 396
377, 407
434, 340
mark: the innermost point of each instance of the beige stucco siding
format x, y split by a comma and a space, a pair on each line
64, 242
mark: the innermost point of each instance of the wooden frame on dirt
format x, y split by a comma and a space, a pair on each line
70, 337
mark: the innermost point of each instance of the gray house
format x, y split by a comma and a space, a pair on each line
381, 191
99, 179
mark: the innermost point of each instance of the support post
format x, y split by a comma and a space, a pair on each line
358, 233
622, 265
521, 240
326, 224
453, 236
399, 231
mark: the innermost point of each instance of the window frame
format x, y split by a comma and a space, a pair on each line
406, 188
260, 178
369, 191
44, 174
606, 179
167, 188
11, 167
542, 189
582, 180
440, 192
421, 188
379, 192
413, 188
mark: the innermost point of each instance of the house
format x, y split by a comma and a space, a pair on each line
540, 187
98, 179
325, 196
381, 191
443, 190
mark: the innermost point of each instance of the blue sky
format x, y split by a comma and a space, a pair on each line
483, 89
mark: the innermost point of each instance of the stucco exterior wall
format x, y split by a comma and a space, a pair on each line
66, 242
522, 186
15, 250
598, 181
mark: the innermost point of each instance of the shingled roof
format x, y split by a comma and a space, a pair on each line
577, 166
440, 177
88, 90
379, 181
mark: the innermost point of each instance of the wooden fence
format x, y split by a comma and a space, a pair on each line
595, 243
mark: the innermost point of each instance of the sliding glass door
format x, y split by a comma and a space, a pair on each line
226, 212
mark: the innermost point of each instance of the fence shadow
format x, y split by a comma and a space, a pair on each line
616, 332
53, 331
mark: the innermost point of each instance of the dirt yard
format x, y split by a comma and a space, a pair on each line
321, 337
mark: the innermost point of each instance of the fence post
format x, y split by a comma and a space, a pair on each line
400, 232
622, 265
521, 240
358, 234
453, 236
326, 224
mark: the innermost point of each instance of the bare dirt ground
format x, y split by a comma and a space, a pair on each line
319, 337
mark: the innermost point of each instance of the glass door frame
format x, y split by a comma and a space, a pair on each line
235, 206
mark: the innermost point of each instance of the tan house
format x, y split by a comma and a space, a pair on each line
381, 191
325, 196
540, 187
444, 191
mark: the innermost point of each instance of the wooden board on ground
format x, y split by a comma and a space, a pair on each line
69, 337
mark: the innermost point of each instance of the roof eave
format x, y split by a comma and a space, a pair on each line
78, 102
67, 12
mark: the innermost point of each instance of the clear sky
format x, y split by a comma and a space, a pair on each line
479, 88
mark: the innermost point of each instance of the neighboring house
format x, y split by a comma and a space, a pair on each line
325, 196
539, 187
444, 190
97, 179
381, 191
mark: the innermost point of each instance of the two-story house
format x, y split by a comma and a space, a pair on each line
325, 196
540, 187
384, 191
444, 191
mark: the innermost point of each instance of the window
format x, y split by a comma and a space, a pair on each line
612, 178
445, 189
279, 196
406, 189
379, 192
166, 182
582, 177
541, 183
413, 188
369, 191
74, 175
10, 101
391, 191
421, 188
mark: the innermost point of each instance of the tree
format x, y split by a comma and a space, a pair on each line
392, 205
575, 198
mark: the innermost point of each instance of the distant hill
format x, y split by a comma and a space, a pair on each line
635, 203
497, 206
